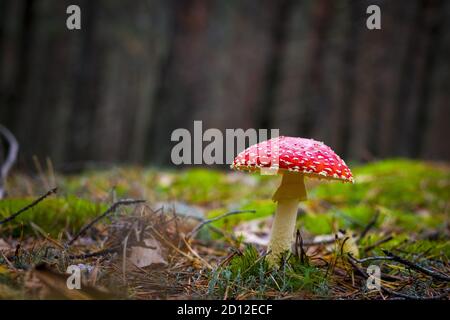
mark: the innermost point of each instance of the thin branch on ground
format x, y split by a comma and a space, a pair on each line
369, 226
28, 207
205, 222
379, 242
299, 244
415, 266
414, 297
220, 232
94, 254
110, 210
352, 261
197, 255
392, 257
373, 258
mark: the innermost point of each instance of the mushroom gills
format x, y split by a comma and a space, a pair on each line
292, 187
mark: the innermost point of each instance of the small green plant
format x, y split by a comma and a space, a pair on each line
248, 273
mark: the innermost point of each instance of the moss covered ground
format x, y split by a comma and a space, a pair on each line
396, 206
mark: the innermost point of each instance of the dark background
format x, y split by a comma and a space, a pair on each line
114, 91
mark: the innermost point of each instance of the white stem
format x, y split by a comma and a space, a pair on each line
289, 193
283, 228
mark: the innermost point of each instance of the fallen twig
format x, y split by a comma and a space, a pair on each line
412, 265
45, 235
379, 242
220, 232
197, 255
369, 226
111, 209
373, 258
299, 244
7, 261
205, 222
28, 207
352, 261
413, 297
94, 254
10, 158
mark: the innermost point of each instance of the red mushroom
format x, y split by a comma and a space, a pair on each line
294, 158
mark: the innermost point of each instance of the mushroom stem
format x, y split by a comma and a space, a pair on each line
289, 193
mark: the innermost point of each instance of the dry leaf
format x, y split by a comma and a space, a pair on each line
4, 246
256, 231
145, 256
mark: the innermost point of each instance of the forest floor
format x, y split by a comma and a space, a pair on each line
202, 234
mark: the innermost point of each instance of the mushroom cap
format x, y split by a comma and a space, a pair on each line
306, 156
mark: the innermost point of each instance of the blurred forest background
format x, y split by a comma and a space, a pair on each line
115, 90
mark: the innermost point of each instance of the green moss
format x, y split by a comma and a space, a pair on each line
397, 184
263, 208
428, 249
412, 198
348, 218
200, 186
317, 223
53, 214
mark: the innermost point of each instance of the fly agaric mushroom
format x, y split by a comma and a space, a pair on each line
295, 159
